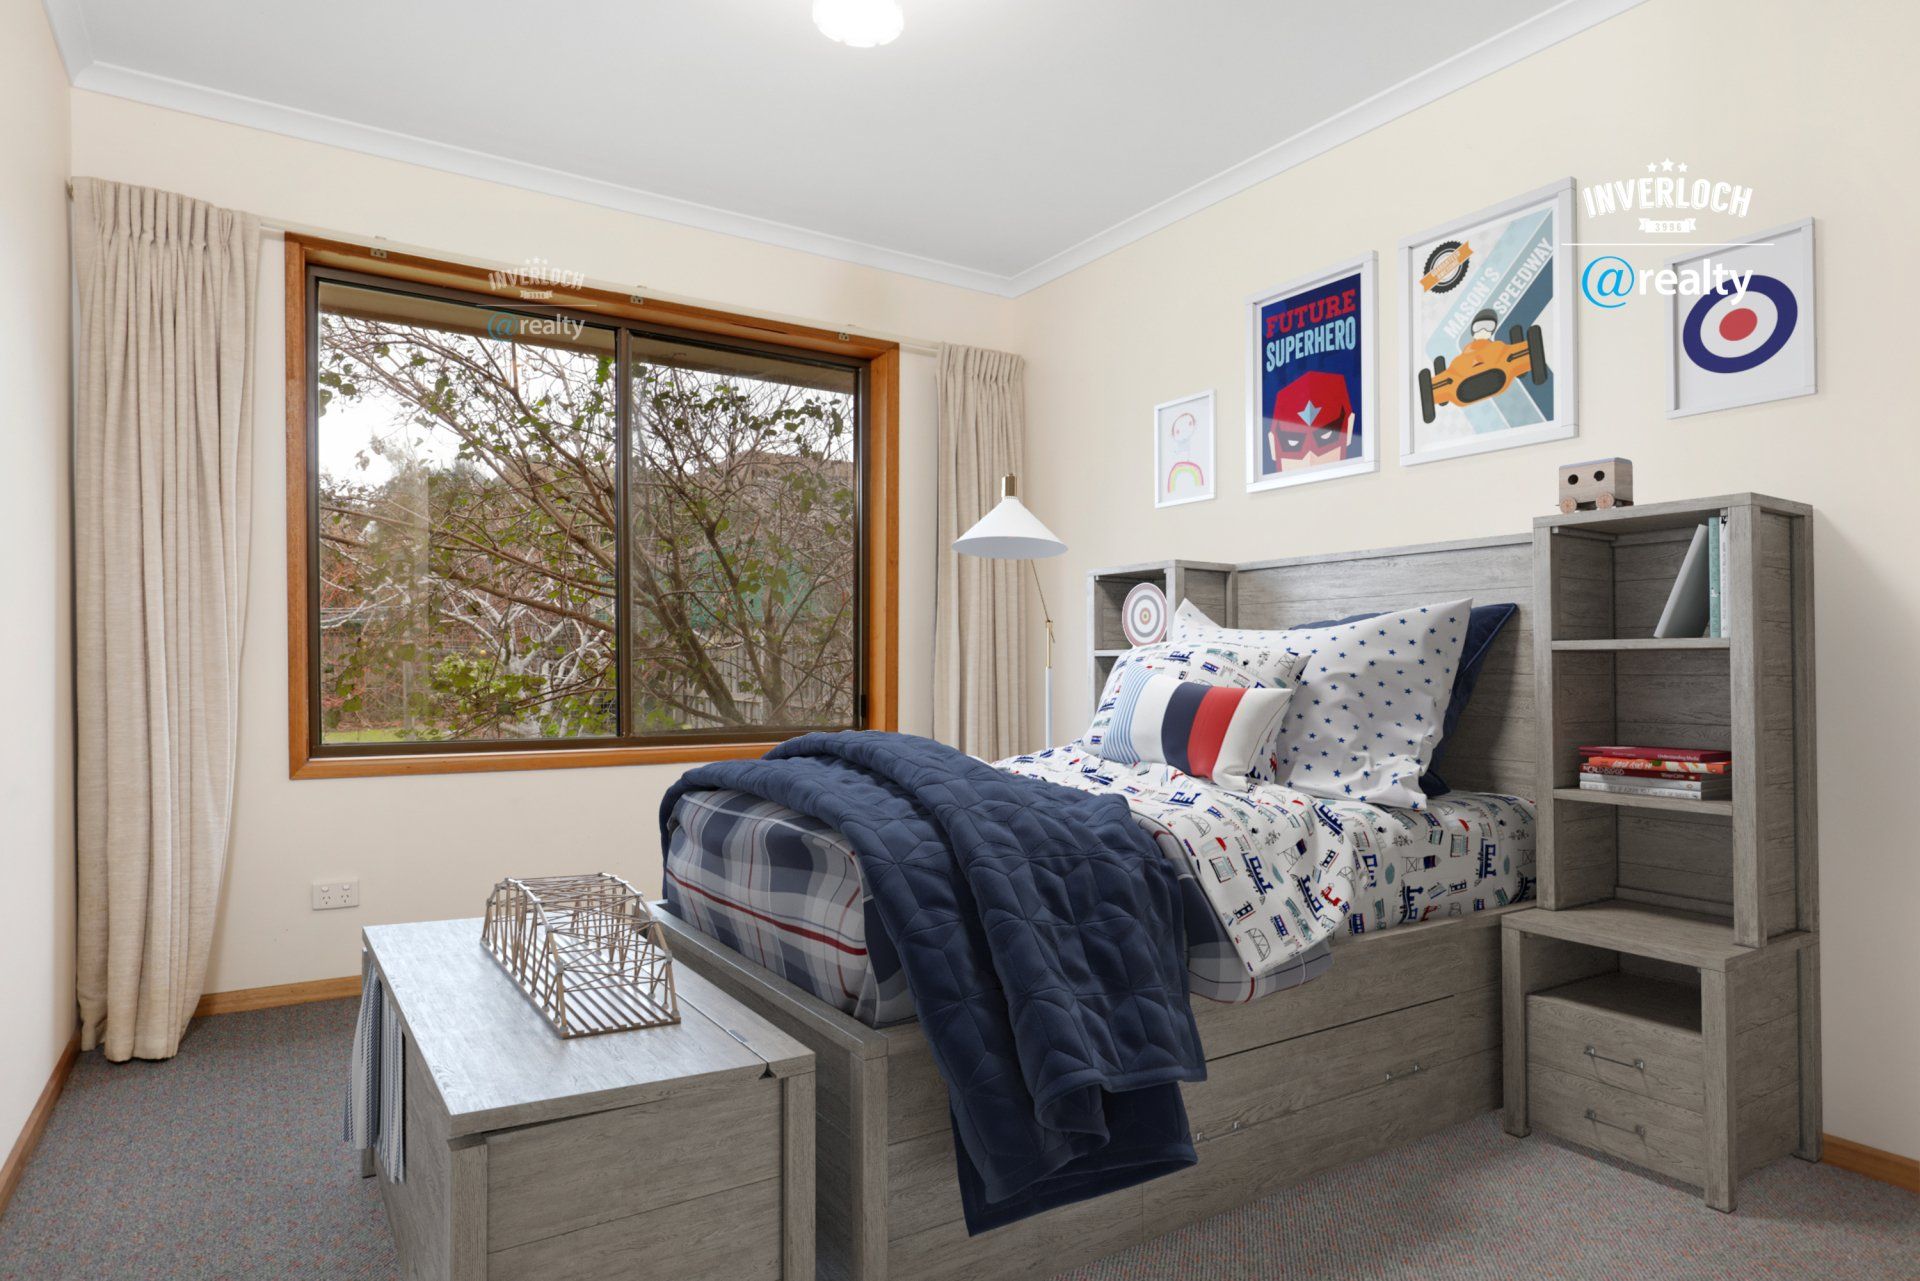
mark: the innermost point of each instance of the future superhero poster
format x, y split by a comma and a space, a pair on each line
1311, 391
1486, 353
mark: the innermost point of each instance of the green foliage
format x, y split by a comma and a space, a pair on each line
469, 554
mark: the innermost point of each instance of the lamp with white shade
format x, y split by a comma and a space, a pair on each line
1011, 532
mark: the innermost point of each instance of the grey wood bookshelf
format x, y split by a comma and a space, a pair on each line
1662, 1002
1208, 584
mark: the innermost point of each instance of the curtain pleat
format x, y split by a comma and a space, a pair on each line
167, 294
980, 634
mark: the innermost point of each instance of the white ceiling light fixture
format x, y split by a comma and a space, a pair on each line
862, 24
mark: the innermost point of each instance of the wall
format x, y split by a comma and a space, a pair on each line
1806, 123
431, 847
36, 756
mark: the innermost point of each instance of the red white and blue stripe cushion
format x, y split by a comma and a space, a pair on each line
1205, 731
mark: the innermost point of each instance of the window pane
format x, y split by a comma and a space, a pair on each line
466, 512
744, 541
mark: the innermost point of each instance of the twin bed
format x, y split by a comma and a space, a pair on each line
1362, 1042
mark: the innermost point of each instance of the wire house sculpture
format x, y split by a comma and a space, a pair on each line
585, 950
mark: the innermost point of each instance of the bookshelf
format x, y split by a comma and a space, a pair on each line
1701, 909
1208, 584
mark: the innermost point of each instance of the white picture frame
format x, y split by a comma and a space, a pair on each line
1264, 470
1447, 429
1183, 450
1787, 255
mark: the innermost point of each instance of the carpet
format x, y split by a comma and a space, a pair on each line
226, 1162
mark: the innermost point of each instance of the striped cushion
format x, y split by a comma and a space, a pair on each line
1207, 731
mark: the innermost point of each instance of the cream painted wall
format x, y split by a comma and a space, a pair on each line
36, 756
431, 847
1820, 126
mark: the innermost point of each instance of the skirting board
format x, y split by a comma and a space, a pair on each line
268, 998
37, 1122
1887, 1167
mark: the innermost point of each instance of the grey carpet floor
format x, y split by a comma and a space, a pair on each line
227, 1163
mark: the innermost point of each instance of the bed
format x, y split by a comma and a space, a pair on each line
1400, 1036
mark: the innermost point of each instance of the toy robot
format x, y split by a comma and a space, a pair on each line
1596, 486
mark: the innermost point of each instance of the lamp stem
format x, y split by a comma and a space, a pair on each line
1048, 708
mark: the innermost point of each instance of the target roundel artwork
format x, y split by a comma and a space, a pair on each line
1749, 338
1143, 616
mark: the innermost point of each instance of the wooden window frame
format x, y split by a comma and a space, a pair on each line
880, 622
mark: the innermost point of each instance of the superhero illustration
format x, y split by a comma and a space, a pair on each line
1312, 373
1312, 422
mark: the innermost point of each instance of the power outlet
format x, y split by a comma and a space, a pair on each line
332, 894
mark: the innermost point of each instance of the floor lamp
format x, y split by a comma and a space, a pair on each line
1011, 532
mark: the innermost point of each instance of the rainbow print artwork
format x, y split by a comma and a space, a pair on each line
1187, 473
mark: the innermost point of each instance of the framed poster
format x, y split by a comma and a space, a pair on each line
1310, 379
1486, 330
1750, 337
1183, 450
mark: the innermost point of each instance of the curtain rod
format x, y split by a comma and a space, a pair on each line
918, 346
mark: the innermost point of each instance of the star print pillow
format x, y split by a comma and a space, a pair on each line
1369, 704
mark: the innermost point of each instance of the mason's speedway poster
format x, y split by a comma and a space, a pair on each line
1487, 357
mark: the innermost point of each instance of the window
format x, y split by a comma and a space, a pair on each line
577, 530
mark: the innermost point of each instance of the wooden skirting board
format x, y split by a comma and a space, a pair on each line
268, 998
37, 1122
1887, 1167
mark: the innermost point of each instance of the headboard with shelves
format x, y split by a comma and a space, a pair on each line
1497, 744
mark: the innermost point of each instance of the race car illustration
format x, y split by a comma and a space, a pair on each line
1485, 367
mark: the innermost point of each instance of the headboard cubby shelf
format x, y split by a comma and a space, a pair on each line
1208, 584
1604, 678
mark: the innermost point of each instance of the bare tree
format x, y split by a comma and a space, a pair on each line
469, 567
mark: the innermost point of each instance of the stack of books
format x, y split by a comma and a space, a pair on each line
1685, 773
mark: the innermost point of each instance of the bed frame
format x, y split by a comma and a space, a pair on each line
1400, 1038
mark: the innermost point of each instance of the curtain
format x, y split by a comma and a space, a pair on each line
162, 434
980, 634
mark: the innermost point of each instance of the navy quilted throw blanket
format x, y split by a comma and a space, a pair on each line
1041, 934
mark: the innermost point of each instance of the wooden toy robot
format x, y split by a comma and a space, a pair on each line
1596, 486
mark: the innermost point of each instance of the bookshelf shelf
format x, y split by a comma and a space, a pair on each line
1712, 897
1677, 804
1616, 645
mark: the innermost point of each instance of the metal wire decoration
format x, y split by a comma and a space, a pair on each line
585, 950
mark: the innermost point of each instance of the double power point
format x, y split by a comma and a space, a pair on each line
331, 894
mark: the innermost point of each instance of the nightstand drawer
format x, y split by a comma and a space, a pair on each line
1638, 1035
1618, 1122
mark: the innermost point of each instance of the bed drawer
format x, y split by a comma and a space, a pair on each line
1633, 1127
1637, 1035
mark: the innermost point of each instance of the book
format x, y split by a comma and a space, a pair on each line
1713, 577
1676, 788
1650, 769
1686, 610
1660, 753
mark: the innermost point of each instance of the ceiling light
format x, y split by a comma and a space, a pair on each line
859, 23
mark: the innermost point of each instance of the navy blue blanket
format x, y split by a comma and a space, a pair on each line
1041, 934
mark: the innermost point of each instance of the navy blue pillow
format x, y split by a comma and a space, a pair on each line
1482, 626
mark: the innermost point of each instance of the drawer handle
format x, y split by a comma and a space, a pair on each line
1639, 1130
1412, 1071
1638, 1065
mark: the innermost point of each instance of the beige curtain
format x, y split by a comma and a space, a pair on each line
980, 607
162, 428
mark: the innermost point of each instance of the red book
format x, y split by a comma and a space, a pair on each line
1633, 772
1636, 765
1661, 753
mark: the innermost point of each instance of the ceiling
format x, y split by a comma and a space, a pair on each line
996, 144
